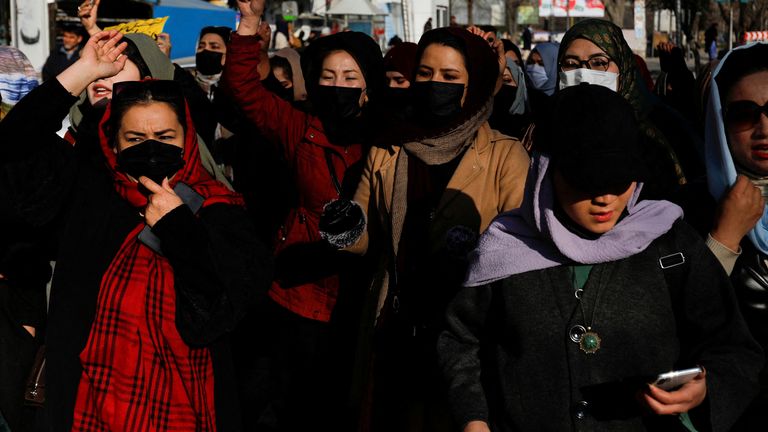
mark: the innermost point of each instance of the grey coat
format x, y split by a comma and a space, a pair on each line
508, 358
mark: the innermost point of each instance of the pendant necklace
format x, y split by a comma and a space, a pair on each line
587, 338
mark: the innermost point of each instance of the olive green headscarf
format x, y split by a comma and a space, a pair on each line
609, 38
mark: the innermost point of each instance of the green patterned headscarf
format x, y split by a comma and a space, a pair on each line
609, 38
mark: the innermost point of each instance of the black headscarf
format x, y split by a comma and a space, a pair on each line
402, 58
223, 31
510, 46
360, 46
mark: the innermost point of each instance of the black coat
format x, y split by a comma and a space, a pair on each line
220, 269
509, 360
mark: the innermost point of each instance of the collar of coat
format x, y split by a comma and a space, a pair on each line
472, 164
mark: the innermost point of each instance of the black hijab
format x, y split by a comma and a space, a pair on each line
360, 46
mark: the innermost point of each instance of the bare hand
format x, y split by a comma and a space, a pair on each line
101, 57
103, 54
684, 399
164, 43
88, 14
665, 47
250, 16
252, 8
489, 37
738, 212
265, 33
162, 201
477, 426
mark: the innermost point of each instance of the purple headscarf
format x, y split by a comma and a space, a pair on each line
532, 238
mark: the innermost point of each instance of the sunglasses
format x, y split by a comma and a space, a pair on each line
161, 90
743, 115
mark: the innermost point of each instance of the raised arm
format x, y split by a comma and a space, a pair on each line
277, 119
101, 57
737, 213
37, 166
88, 12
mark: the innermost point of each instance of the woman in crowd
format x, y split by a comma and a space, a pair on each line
254, 161
595, 51
145, 60
512, 52
425, 201
511, 109
156, 261
324, 152
736, 146
286, 77
400, 68
565, 296
400, 65
541, 68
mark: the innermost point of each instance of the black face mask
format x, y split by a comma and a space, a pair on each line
337, 103
208, 62
152, 159
504, 99
437, 102
272, 84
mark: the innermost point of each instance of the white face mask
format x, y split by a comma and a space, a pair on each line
574, 77
538, 75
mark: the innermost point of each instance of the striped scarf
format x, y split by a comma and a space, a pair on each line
138, 373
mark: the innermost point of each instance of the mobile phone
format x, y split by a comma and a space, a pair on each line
671, 380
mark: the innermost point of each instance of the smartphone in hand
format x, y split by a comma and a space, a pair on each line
671, 380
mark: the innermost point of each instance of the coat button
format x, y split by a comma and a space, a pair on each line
311, 135
581, 409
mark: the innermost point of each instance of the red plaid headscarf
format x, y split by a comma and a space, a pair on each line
138, 374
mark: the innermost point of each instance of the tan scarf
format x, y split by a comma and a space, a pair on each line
432, 151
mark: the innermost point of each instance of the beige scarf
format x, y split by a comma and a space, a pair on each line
432, 151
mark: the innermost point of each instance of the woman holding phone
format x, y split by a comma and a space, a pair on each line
575, 302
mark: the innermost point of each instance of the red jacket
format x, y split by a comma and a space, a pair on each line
304, 144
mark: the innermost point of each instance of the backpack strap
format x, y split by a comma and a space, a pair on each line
674, 263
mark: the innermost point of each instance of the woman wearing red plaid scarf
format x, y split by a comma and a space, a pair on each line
156, 261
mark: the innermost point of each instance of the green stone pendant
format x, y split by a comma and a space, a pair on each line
590, 342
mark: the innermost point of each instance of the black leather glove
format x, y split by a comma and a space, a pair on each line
342, 222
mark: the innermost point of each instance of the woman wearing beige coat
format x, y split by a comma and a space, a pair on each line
421, 205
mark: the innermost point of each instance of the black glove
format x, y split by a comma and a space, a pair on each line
342, 222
